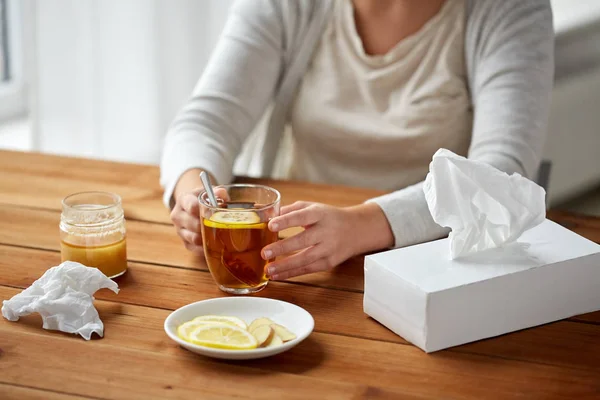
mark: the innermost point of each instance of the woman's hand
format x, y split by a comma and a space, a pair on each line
186, 211
331, 235
186, 218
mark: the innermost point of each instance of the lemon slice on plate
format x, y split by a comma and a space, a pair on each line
223, 336
184, 330
235, 220
220, 319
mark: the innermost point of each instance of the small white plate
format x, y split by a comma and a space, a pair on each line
295, 318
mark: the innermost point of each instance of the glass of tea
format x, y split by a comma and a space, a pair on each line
92, 232
235, 232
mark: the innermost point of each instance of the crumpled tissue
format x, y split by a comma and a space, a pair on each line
484, 207
63, 296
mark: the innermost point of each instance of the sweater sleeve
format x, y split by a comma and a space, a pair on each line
510, 58
230, 97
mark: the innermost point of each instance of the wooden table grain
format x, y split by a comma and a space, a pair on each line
348, 356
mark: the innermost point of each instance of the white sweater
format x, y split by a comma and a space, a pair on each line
265, 50
376, 120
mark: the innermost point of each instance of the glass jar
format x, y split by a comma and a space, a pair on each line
92, 232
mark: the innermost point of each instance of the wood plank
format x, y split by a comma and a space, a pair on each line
137, 331
115, 372
12, 392
146, 242
42, 181
169, 288
324, 364
149, 243
559, 359
154, 243
592, 318
50, 178
572, 345
73, 173
585, 225
139, 186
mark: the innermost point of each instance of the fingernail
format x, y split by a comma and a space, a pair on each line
274, 226
271, 271
267, 254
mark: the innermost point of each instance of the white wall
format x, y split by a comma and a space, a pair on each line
573, 144
111, 74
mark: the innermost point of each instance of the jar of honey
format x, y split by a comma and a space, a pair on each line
92, 232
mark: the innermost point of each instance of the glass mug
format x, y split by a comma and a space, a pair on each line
92, 232
235, 232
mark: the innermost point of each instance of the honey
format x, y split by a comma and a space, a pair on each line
111, 259
92, 232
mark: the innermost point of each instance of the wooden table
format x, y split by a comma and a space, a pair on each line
348, 356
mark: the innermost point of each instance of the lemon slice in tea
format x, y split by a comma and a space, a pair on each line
223, 336
235, 220
221, 319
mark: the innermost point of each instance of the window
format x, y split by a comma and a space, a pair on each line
12, 85
4, 47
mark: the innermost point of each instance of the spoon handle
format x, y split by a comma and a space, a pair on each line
208, 187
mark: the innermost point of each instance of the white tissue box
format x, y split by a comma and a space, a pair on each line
436, 303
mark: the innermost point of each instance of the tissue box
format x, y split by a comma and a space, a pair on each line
433, 302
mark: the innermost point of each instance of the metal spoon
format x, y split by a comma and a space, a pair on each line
208, 187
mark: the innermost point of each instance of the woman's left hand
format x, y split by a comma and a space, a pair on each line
331, 236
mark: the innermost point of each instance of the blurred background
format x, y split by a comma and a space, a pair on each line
104, 78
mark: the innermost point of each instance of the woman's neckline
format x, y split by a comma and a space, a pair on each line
348, 14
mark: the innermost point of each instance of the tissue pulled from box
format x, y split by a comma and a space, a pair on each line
484, 207
63, 296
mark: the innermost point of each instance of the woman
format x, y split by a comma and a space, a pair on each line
371, 90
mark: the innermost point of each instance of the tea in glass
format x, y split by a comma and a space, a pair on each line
235, 232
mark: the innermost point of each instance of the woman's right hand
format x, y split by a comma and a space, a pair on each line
186, 218
186, 211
